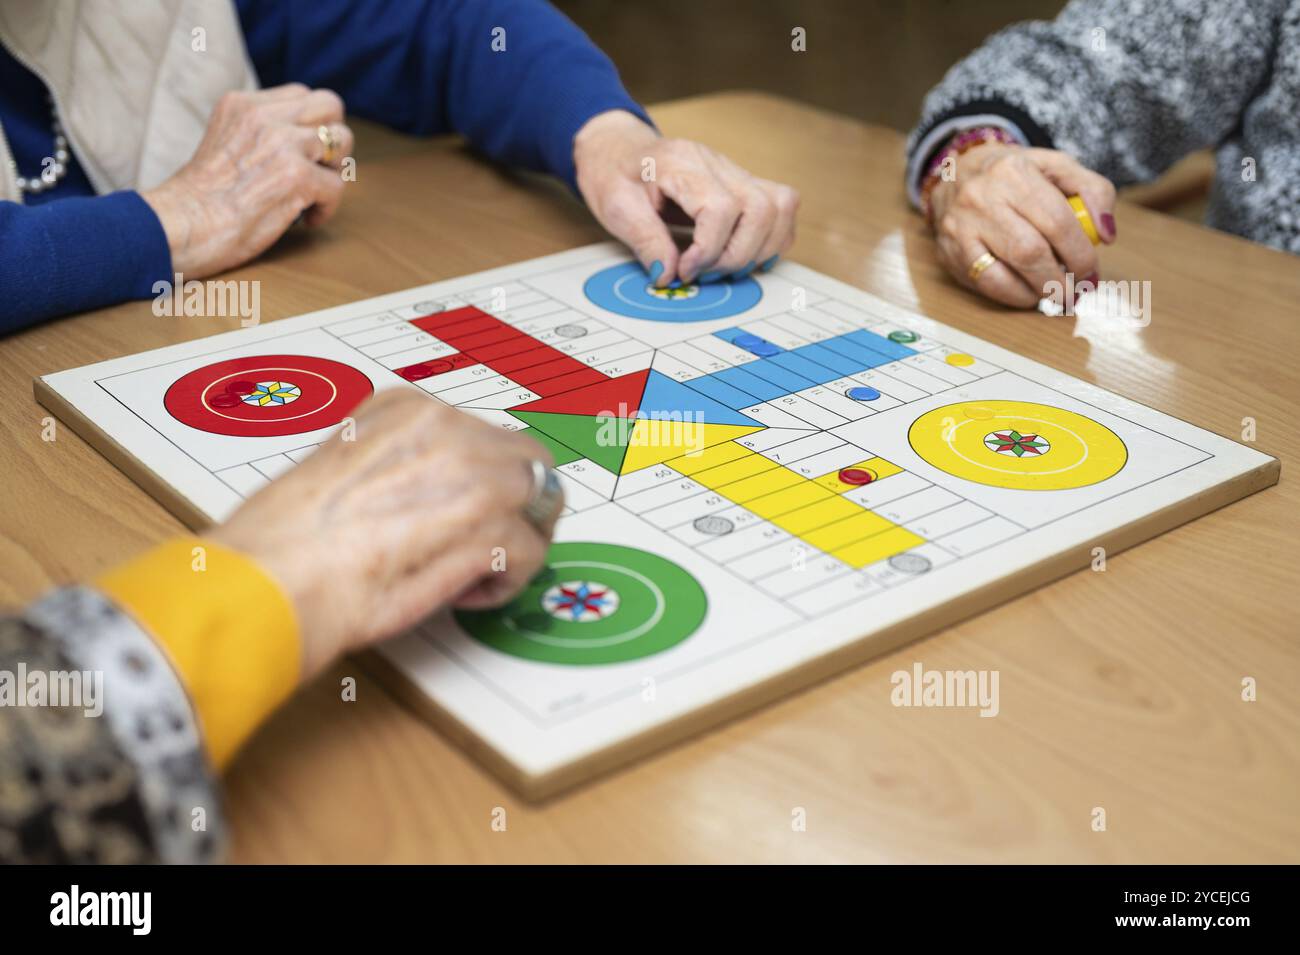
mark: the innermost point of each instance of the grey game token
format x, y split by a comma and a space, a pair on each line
910, 563
429, 308
713, 524
570, 331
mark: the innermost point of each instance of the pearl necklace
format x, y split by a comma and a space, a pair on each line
51, 173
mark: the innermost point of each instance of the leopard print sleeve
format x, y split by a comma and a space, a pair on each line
100, 755
1127, 87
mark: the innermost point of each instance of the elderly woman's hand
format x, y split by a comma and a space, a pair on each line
424, 509
263, 162
1012, 202
632, 178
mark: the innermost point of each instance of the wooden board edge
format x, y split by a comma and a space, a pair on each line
538, 788
135, 469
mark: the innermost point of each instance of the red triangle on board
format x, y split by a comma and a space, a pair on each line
617, 397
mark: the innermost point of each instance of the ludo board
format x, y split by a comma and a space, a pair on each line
766, 481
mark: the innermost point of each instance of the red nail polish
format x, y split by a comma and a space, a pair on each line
1108, 223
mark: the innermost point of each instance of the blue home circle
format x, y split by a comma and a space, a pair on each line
626, 290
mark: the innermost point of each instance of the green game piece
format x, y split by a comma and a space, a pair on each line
903, 337
562, 453
603, 440
605, 603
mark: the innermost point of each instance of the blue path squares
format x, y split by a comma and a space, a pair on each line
751, 384
867, 358
840, 364
893, 350
722, 392
795, 362
769, 370
779, 372
667, 399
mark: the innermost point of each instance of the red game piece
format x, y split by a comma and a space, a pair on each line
856, 476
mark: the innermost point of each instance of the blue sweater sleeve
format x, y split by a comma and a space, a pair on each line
515, 77
77, 254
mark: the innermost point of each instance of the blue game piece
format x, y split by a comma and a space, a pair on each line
755, 345
862, 393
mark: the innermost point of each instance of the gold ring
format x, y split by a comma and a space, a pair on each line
978, 267
330, 142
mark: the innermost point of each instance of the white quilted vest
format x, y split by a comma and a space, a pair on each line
134, 82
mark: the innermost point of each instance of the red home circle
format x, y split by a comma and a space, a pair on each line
236, 396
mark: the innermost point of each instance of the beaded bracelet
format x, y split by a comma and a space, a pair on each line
960, 143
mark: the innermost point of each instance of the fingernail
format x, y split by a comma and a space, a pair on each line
749, 267
709, 277
1108, 223
767, 266
656, 270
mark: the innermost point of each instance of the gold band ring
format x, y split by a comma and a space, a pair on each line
330, 142
980, 265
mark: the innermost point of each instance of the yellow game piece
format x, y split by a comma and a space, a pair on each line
1085, 220
959, 359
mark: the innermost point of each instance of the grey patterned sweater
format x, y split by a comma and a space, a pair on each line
1128, 87
100, 754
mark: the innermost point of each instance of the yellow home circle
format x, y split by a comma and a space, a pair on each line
1017, 444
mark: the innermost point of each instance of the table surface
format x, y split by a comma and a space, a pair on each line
1121, 690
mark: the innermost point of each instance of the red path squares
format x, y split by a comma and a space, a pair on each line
506, 350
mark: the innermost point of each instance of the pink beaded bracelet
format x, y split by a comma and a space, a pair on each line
961, 142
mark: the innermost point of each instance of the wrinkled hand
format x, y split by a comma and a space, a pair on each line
257, 169
741, 222
1011, 201
368, 537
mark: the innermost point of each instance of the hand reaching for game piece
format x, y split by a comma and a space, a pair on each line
1011, 201
633, 179
263, 161
422, 510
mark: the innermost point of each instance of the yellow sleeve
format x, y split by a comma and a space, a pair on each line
230, 631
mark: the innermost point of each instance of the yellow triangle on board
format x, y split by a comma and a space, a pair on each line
654, 442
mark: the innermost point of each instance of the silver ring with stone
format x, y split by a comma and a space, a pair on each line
546, 498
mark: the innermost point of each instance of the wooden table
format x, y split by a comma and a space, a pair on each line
1121, 689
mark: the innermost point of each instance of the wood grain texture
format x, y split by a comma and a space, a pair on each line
1118, 689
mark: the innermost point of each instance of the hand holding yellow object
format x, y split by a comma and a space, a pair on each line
1085, 220
1013, 222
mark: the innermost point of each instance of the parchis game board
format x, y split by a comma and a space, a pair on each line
767, 480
